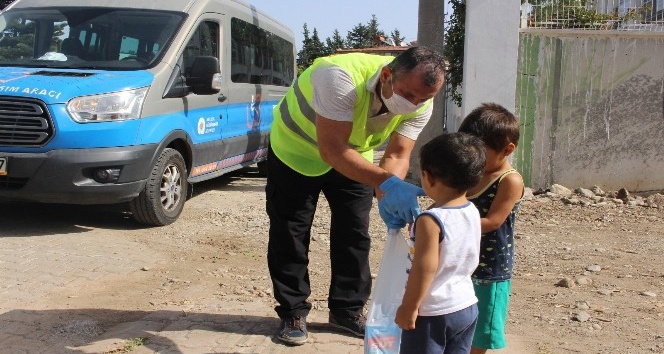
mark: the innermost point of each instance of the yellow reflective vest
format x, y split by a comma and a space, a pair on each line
293, 136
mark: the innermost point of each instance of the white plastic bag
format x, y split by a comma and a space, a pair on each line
382, 335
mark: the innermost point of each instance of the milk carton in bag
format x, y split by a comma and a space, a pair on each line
382, 335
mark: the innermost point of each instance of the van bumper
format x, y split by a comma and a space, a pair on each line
66, 175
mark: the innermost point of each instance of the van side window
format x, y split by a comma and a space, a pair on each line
204, 42
259, 56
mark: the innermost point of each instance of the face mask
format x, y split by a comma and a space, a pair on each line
397, 104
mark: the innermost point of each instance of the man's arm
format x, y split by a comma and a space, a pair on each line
334, 150
396, 158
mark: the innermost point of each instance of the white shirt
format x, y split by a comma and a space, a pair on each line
452, 288
334, 98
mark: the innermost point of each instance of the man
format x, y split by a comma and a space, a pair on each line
322, 140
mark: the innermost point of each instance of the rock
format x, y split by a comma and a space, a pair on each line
650, 203
587, 193
582, 305
597, 191
540, 191
648, 293
605, 291
593, 268
582, 316
561, 190
655, 200
565, 283
583, 280
528, 194
622, 194
570, 201
596, 326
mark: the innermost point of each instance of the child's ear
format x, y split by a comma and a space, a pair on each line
427, 176
509, 149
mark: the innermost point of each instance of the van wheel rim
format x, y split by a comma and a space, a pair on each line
171, 187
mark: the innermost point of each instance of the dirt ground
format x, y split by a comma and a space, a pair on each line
589, 271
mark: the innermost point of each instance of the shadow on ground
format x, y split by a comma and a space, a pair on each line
20, 219
113, 331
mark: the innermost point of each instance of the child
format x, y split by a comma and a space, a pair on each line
497, 197
438, 310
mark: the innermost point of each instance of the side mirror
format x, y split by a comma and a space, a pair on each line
176, 86
204, 71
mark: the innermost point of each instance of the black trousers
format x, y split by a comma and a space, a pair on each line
291, 200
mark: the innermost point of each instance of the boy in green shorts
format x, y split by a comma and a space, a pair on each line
497, 198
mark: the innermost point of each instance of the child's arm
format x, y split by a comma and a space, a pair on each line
425, 264
510, 190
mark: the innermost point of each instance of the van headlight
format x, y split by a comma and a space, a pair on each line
106, 107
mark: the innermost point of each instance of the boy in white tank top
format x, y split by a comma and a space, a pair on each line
438, 311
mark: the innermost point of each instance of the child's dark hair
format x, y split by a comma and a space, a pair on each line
492, 123
457, 159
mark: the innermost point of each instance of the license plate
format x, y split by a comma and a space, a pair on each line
3, 166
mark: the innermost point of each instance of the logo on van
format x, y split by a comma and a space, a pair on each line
201, 126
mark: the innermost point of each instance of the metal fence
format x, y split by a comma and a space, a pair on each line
625, 15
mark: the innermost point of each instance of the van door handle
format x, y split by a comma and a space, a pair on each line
221, 97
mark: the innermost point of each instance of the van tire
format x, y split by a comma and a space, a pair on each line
162, 199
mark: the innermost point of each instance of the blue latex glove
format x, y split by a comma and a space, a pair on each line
393, 222
399, 204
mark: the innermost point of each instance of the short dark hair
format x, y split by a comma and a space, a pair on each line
429, 59
457, 159
492, 123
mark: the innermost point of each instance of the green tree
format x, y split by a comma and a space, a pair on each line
317, 48
312, 48
303, 54
360, 36
396, 37
453, 52
357, 37
364, 36
334, 43
373, 31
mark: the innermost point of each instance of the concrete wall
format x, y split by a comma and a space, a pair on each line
490, 61
591, 107
490, 55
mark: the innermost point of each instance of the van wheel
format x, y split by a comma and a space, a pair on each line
262, 168
162, 200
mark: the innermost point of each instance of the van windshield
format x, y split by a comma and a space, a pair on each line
88, 37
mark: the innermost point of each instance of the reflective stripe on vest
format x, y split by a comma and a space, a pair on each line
306, 110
